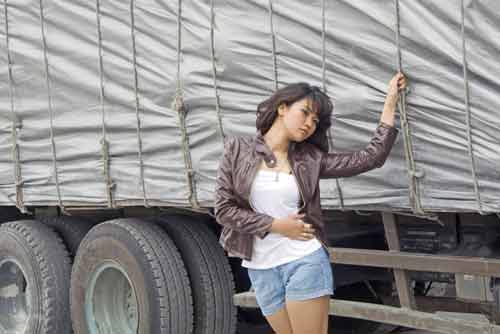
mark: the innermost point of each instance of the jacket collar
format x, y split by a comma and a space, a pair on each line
261, 148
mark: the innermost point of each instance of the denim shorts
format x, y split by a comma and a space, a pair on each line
305, 278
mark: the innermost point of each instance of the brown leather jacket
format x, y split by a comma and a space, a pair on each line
240, 162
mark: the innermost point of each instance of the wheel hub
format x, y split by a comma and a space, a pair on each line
14, 297
111, 302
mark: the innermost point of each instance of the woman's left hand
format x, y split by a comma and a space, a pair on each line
397, 84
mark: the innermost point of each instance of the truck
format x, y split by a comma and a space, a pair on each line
113, 117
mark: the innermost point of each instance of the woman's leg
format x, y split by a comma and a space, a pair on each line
308, 289
270, 293
280, 322
309, 316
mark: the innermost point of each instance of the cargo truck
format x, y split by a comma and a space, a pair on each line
113, 117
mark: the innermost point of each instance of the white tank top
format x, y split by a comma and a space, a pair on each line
277, 195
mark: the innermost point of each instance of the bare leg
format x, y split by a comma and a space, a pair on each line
279, 322
309, 316
325, 325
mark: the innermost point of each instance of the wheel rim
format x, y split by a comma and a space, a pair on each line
14, 297
111, 302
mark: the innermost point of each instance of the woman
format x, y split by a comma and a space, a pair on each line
268, 201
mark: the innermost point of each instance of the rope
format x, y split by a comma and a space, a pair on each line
137, 112
110, 185
413, 174
178, 105
323, 83
214, 68
16, 124
468, 113
323, 44
49, 104
273, 39
432, 217
104, 141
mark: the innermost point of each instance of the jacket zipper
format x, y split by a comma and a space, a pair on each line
298, 185
304, 202
254, 174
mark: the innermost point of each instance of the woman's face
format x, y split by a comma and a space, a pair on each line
299, 119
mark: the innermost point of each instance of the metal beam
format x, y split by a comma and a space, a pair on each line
437, 323
401, 278
416, 261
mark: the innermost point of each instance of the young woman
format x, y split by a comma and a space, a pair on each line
268, 201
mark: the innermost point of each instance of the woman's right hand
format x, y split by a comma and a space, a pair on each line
293, 227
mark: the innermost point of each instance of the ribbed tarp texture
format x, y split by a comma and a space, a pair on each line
141, 93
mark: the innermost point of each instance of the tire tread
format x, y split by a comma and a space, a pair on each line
53, 262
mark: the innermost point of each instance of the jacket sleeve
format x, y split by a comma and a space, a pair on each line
334, 165
227, 211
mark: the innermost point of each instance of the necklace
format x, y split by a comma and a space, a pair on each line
281, 165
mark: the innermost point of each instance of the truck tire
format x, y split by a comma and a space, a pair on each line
71, 229
125, 268
209, 274
34, 280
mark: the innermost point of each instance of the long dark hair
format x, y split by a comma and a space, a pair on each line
267, 111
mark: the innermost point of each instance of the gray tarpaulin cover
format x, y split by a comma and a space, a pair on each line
231, 56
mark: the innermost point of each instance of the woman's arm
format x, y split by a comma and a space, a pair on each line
377, 151
227, 211
354, 163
